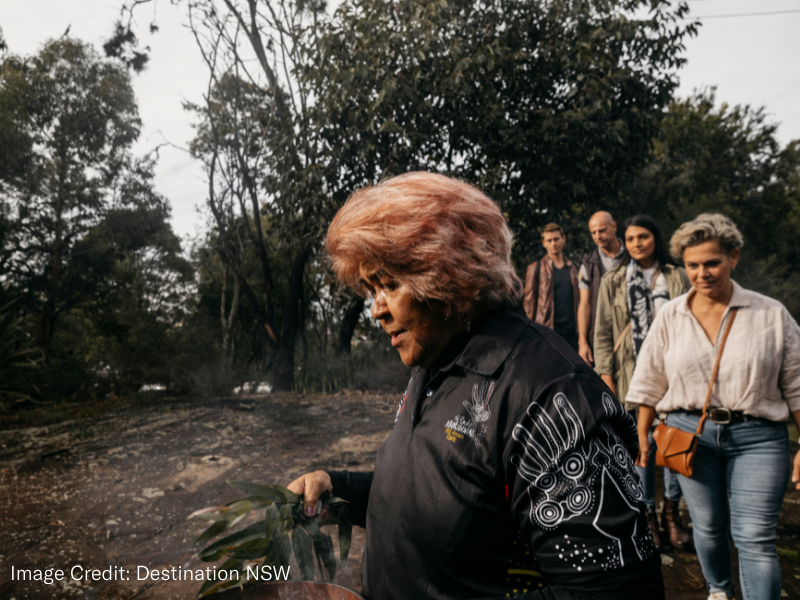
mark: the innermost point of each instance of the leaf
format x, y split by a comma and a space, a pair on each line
284, 552
217, 550
219, 527
256, 500
285, 522
273, 492
301, 542
228, 512
213, 531
213, 585
323, 546
314, 533
252, 550
203, 511
271, 518
311, 526
240, 507
345, 533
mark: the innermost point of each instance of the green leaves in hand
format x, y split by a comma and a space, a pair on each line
271, 540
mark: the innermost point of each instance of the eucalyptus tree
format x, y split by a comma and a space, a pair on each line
549, 106
262, 159
129, 282
709, 156
75, 117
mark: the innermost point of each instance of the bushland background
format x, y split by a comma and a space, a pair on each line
556, 109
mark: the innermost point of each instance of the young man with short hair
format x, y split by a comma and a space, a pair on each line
551, 287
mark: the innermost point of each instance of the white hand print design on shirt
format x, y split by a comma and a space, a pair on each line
569, 477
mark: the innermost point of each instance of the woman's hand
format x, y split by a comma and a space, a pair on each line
609, 381
644, 420
644, 451
796, 466
585, 353
311, 486
796, 471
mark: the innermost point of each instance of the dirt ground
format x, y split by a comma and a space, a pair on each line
114, 491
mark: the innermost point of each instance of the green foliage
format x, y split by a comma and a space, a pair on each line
87, 249
549, 107
75, 117
269, 540
133, 261
122, 46
19, 359
261, 154
709, 158
226, 350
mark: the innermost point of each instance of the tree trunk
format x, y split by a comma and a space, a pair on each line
348, 325
227, 321
283, 365
48, 316
303, 340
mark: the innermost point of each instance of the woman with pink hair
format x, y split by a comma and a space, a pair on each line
509, 471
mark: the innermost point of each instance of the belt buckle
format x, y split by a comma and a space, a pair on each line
716, 417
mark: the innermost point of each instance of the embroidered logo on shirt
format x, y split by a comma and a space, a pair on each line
457, 429
479, 412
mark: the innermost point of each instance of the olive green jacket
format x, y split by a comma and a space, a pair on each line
612, 317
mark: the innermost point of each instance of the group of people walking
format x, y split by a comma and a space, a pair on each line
657, 355
510, 469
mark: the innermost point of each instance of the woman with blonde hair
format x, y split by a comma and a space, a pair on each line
741, 467
508, 472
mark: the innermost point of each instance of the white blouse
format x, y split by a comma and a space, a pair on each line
759, 373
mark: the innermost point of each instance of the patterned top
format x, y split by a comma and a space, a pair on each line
513, 448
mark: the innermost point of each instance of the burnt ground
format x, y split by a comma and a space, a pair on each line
115, 490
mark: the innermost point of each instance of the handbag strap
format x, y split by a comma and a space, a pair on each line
625, 331
702, 422
621, 337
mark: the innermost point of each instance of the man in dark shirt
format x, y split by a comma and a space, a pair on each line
551, 287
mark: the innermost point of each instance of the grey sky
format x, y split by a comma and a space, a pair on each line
751, 60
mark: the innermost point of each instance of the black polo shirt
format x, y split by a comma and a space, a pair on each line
512, 451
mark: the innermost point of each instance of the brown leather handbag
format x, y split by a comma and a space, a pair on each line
676, 448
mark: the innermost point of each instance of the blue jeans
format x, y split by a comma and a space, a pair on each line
672, 487
740, 476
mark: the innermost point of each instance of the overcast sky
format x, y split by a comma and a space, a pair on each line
749, 59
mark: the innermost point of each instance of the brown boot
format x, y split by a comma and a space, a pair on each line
652, 523
671, 520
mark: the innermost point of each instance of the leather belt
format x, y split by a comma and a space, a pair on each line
721, 416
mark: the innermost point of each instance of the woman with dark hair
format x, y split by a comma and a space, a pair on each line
508, 472
639, 247
630, 296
